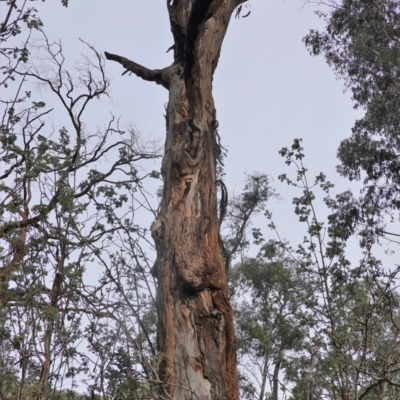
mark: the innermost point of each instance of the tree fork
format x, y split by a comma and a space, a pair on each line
195, 322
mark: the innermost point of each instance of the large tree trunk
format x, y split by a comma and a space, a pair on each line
195, 330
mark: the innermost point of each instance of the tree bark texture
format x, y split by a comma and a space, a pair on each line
196, 337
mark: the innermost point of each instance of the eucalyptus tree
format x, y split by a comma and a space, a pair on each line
195, 321
271, 318
352, 350
361, 42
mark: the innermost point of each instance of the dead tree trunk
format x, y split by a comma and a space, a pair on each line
195, 333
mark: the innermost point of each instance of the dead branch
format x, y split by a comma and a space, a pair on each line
159, 76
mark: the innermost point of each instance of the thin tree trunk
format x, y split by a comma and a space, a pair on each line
264, 377
383, 391
22, 384
195, 322
275, 376
19, 252
43, 385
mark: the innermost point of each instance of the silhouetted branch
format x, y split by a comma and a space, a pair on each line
159, 76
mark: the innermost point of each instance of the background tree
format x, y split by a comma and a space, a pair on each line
361, 42
310, 323
351, 350
65, 206
271, 320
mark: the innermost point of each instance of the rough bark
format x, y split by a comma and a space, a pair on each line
195, 323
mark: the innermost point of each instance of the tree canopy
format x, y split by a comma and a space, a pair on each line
361, 42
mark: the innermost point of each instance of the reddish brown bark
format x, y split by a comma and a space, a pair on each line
195, 323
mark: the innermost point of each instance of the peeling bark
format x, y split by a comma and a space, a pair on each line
195, 322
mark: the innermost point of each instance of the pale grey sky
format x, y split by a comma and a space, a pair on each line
268, 89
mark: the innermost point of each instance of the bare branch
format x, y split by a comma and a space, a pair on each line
159, 76
4, 24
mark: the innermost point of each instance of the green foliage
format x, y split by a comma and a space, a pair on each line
310, 324
361, 42
270, 324
68, 201
256, 192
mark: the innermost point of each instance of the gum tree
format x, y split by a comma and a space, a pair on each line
195, 325
361, 42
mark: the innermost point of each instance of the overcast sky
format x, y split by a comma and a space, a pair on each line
268, 89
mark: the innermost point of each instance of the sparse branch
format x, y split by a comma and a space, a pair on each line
128, 302
26, 148
4, 24
159, 76
242, 208
101, 178
31, 221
